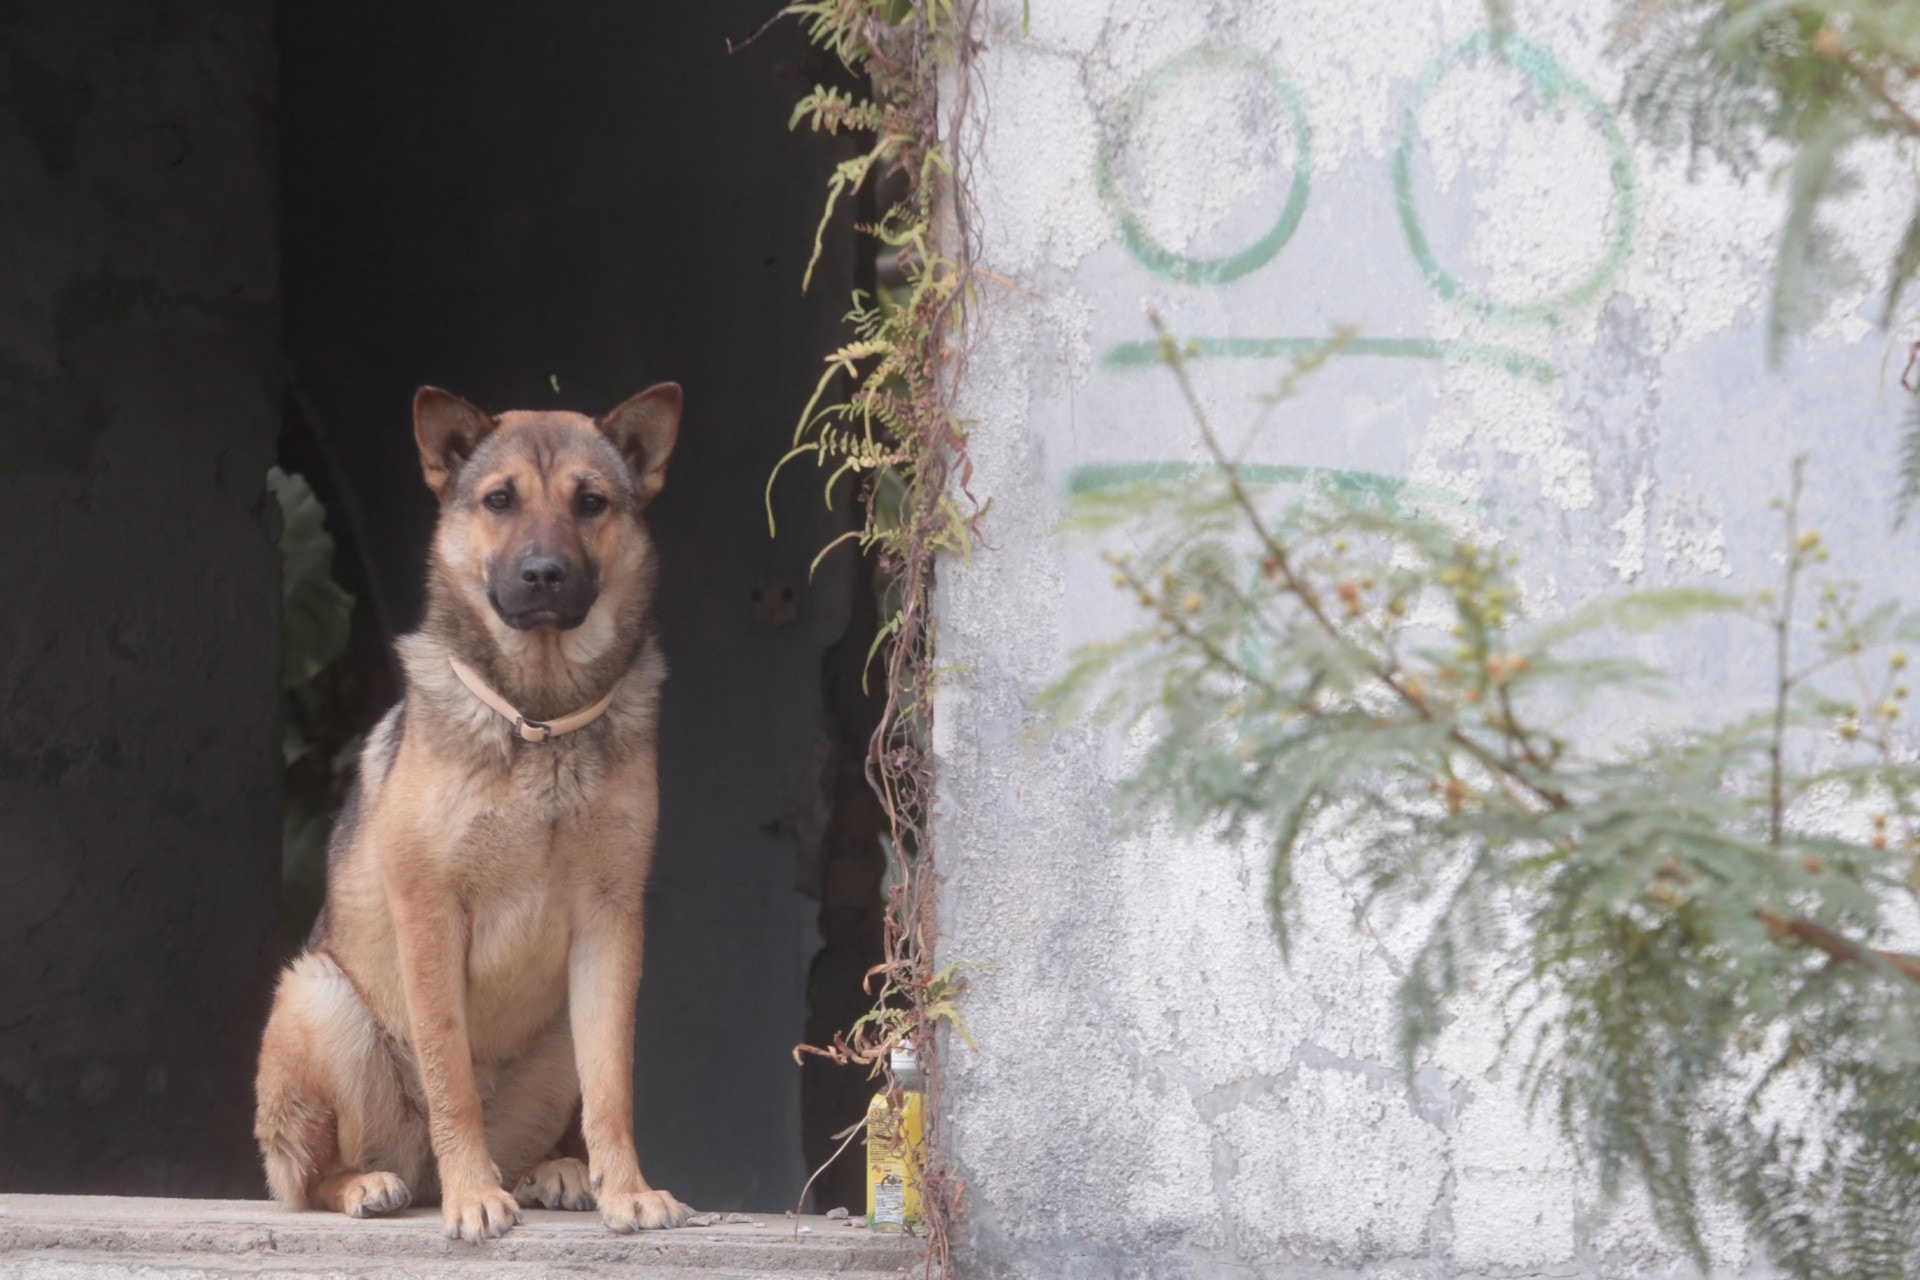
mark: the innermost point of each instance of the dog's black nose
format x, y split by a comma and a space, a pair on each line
543, 571
535, 587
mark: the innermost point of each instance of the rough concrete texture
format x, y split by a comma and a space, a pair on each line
139, 670
106, 1238
1559, 340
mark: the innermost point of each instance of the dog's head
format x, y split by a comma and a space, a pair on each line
540, 510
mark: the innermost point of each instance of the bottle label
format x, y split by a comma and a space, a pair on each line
890, 1200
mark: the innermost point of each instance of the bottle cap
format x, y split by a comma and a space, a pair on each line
905, 1064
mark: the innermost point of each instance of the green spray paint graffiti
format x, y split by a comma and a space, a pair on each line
1554, 84
1365, 487
1207, 61
1140, 355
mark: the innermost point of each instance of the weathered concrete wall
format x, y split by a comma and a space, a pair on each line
139, 668
1558, 330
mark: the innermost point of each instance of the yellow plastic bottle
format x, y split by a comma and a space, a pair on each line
895, 1149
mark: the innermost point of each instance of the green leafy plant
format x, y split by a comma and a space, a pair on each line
882, 417
1807, 90
1688, 927
316, 617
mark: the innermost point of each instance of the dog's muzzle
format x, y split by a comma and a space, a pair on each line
543, 591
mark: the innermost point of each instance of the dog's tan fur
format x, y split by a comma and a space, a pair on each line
471, 981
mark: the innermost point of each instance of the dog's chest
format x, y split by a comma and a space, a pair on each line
516, 966
519, 858
556, 782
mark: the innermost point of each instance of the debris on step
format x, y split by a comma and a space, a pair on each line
703, 1220
834, 1215
734, 1219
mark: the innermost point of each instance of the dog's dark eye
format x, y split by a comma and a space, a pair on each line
592, 504
499, 500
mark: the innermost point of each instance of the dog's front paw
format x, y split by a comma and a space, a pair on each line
477, 1213
557, 1184
626, 1211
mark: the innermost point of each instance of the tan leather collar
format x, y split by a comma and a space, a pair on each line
529, 730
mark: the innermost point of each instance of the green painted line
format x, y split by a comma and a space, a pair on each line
1140, 355
1095, 477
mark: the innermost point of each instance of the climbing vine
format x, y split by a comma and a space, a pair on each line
883, 416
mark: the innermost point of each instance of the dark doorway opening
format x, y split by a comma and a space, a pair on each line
534, 205
555, 205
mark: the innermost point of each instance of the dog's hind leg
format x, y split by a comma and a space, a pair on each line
529, 1110
362, 1195
335, 1126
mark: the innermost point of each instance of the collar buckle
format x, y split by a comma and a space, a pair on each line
527, 729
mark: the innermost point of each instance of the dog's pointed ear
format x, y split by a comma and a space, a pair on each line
448, 430
644, 429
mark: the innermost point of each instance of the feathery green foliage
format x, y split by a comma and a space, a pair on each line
1805, 89
882, 415
890, 418
1688, 937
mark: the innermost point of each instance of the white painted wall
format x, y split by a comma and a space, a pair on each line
1156, 1093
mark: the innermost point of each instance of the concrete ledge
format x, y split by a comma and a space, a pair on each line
121, 1238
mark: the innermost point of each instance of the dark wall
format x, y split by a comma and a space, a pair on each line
499, 196
139, 749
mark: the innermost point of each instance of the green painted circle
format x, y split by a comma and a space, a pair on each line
1554, 81
1140, 242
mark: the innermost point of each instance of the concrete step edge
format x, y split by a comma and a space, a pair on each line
77, 1264
241, 1235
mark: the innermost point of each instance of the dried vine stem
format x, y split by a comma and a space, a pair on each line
884, 414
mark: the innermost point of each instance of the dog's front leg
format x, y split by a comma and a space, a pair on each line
603, 985
432, 930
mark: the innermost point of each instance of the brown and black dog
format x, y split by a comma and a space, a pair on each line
470, 984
